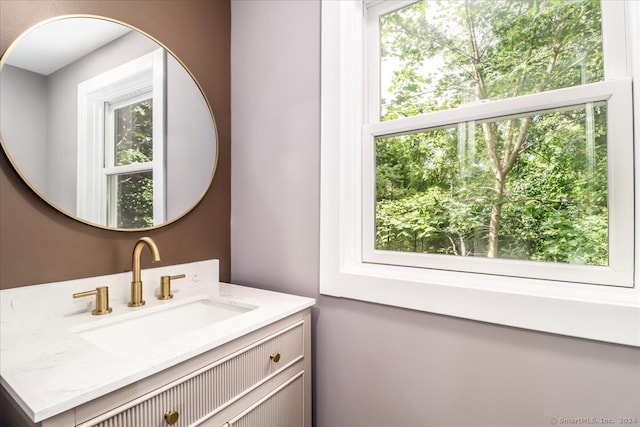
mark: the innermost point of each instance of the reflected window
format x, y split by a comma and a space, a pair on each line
129, 162
121, 153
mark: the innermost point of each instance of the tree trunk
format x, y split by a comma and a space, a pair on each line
511, 149
496, 214
463, 246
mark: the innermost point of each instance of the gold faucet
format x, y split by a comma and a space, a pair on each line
136, 283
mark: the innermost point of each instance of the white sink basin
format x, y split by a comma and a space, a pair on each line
132, 332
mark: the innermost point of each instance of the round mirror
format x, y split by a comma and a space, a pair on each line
105, 124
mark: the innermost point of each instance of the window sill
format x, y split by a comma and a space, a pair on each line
609, 314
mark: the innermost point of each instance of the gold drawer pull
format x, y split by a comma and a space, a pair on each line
275, 357
171, 417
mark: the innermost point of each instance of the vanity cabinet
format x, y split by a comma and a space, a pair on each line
260, 379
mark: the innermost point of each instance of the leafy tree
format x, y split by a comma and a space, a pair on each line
134, 144
522, 187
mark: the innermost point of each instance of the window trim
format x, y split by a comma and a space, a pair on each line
144, 74
604, 313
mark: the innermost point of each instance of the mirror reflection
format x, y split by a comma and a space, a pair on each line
105, 124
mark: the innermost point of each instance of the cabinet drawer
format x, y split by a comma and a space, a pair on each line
206, 391
282, 407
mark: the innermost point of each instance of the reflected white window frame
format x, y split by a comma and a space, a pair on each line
607, 313
146, 74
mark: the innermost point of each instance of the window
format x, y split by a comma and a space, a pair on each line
485, 161
121, 157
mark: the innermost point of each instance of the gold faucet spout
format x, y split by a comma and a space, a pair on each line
136, 282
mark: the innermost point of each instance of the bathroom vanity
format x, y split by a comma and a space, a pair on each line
215, 354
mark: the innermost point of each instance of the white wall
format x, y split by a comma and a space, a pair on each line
191, 149
24, 91
380, 366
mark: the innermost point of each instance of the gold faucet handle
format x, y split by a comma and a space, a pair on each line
165, 285
102, 300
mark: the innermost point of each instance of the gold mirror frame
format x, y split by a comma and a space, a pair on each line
169, 54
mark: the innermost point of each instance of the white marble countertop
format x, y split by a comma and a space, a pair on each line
49, 369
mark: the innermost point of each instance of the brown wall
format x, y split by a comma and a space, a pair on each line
37, 243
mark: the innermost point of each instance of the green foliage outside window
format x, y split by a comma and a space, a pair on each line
531, 187
134, 144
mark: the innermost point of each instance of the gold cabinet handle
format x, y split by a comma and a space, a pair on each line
165, 285
275, 357
102, 300
171, 417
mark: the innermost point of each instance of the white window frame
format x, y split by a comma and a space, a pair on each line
606, 313
129, 81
